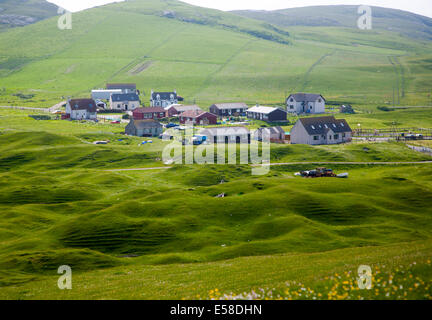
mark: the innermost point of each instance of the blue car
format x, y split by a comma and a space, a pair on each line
171, 125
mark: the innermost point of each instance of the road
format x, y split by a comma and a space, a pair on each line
55, 107
294, 163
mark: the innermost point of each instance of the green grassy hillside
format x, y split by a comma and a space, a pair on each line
208, 56
409, 24
60, 205
18, 13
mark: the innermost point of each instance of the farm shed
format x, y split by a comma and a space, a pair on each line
267, 114
144, 128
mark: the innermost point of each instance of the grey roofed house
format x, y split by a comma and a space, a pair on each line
321, 130
144, 128
232, 105
121, 86
125, 97
164, 95
320, 125
182, 108
306, 96
227, 109
274, 133
83, 104
227, 134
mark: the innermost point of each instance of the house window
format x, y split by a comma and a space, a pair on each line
291, 107
336, 136
316, 138
291, 100
319, 100
330, 137
118, 106
343, 135
310, 107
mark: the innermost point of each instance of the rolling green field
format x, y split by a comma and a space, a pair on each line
60, 204
133, 228
209, 56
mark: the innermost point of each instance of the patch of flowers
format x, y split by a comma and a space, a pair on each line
397, 282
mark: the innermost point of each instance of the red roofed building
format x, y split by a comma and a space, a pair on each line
198, 117
149, 113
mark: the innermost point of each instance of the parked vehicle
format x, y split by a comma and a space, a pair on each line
321, 173
171, 125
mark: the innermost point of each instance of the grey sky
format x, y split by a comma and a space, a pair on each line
423, 7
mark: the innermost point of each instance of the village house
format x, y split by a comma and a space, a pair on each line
81, 109
276, 134
148, 113
124, 87
144, 128
321, 130
305, 103
229, 109
103, 94
267, 114
177, 109
125, 101
198, 117
163, 99
227, 135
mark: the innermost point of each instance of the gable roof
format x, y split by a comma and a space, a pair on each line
182, 108
195, 113
149, 110
273, 130
264, 110
234, 105
164, 95
83, 104
121, 86
125, 97
149, 123
309, 97
225, 131
321, 125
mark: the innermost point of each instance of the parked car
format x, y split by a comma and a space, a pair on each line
171, 125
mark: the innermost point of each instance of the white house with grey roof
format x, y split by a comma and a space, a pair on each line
124, 101
300, 103
163, 99
321, 130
